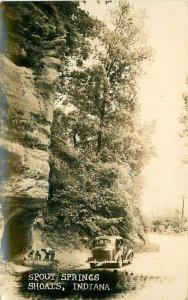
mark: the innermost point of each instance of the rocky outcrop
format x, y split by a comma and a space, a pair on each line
27, 93
25, 138
26, 134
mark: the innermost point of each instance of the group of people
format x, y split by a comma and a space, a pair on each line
46, 254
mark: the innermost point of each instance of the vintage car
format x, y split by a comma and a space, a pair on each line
110, 250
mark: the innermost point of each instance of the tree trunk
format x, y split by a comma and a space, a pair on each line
100, 132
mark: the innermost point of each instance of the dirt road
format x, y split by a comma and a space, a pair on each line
169, 266
170, 263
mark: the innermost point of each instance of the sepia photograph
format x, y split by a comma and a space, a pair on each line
94, 150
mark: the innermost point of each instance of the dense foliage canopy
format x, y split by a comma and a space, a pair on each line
98, 144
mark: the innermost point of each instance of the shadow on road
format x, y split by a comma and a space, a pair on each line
80, 284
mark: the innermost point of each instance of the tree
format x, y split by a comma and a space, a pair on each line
99, 146
167, 222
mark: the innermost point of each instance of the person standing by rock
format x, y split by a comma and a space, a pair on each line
49, 254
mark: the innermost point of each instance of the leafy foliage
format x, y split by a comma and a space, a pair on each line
48, 30
168, 222
99, 146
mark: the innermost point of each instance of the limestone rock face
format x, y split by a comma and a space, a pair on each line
25, 137
27, 94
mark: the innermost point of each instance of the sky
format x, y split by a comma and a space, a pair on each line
161, 99
161, 90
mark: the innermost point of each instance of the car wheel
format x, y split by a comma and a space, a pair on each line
92, 265
130, 258
119, 262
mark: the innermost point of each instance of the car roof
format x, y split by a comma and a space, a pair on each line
109, 237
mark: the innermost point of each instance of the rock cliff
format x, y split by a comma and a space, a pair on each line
29, 66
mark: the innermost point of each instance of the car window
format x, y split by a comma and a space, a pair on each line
102, 242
